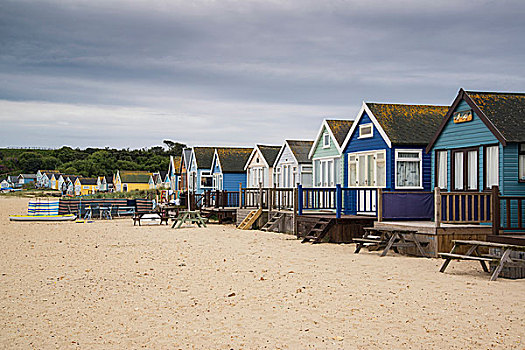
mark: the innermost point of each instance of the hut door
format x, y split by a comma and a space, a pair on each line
366, 202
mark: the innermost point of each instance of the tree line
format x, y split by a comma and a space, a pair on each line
87, 162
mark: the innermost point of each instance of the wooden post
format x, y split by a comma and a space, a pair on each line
437, 206
240, 195
338, 201
260, 196
271, 194
295, 207
379, 204
496, 210
300, 200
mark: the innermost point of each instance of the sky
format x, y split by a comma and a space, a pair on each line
130, 74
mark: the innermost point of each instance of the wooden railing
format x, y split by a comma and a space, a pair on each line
318, 198
267, 198
508, 214
221, 199
462, 207
254, 197
281, 198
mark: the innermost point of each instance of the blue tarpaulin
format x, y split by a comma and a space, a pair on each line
408, 206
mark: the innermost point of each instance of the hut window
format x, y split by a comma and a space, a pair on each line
326, 140
206, 179
491, 166
465, 169
408, 169
521, 162
367, 169
366, 130
441, 169
277, 177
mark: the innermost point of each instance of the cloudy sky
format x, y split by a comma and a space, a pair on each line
133, 73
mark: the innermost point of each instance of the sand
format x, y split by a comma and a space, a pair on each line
112, 285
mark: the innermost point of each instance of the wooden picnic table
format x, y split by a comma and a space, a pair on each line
389, 238
473, 253
188, 216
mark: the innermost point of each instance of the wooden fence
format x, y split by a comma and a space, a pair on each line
267, 198
221, 199
508, 215
463, 207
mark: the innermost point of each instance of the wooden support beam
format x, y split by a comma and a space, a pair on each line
437, 206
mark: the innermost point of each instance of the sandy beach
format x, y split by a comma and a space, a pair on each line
112, 285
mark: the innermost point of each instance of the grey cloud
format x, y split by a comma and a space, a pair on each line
229, 64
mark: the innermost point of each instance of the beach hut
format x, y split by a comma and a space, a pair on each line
102, 185
126, 181
4, 184
228, 168
385, 148
199, 172
13, 181
26, 178
480, 143
172, 176
85, 185
70, 184
185, 164
45, 180
326, 152
43, 176
292, 165
53, 181
259, 167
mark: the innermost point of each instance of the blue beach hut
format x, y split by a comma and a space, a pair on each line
480, 144
385, 148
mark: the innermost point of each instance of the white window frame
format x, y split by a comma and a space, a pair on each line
326, 140
420, 159
438, 154
521, 162
365, 136
206, 174
365, 154
332, 181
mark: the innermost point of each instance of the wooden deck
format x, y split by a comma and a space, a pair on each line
223, 215
516, 239
343, 230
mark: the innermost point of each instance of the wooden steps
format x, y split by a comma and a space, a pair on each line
318, 230
249, 220
273, 222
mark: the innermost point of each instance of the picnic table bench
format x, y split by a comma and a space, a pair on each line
137, 217
473, 253
124, 209
389, 238
189, 216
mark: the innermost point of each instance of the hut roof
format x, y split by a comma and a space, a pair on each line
269, 153
203, 156
505, 110
339, 128
135, 176
233, 159
408, 124
300, 149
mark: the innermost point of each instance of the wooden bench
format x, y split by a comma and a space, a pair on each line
474, 254
137, 217
389, 238
189, 217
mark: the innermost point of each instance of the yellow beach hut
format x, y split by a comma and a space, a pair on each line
126, 181
85, 185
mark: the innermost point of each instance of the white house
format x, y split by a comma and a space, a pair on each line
292, 165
